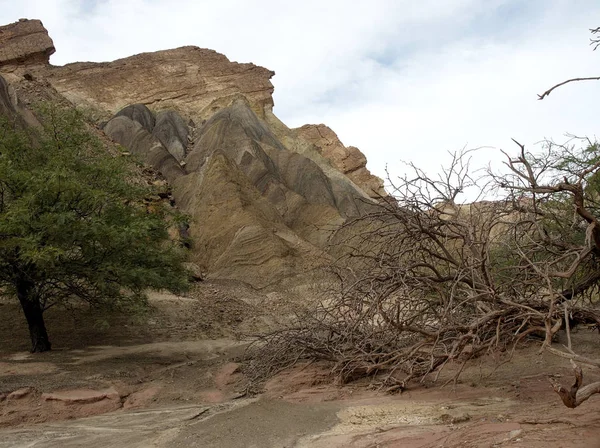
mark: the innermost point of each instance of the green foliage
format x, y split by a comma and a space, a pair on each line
71, 223
549, 231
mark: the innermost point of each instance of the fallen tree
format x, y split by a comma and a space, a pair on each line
427, 281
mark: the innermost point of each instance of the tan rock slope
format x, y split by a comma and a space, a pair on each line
262, 198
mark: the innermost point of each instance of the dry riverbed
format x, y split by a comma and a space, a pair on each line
180, 385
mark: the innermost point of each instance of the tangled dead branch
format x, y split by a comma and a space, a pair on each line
424, 282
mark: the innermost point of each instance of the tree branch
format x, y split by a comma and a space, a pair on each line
547, 92
576, 394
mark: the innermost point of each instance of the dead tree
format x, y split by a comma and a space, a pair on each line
558, 195
425, 281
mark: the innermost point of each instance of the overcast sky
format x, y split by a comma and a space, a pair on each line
401, 79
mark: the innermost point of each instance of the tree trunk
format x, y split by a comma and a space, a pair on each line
35, 318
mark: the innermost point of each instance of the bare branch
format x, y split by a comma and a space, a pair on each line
595, 42
576, 395
549, 91
573, 357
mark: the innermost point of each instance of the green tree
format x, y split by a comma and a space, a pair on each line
73, 225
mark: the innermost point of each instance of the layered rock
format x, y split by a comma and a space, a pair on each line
237, 233
260, 212
239, 134
173, 132
349, 160
132, 135
24, 43
139, 113
186, 79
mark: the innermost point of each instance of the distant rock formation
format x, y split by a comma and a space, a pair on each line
24, 43
262, 198
348, 160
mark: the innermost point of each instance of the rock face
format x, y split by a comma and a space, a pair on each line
25, 42
139, 113
133, 136
186, 79
262, 198
348, 160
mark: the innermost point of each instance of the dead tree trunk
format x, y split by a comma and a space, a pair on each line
576, 395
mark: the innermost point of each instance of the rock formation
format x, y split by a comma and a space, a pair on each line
24, 43
262, 198
173, 132
187, 79
348, 160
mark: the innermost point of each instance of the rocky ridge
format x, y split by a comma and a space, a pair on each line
262, 198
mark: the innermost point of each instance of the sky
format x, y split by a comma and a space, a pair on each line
403, 80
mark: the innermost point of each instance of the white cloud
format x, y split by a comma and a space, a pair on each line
402, 80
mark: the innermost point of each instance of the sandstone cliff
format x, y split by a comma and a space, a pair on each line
187, 79
262, 198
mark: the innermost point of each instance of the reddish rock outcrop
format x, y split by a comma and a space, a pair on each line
349, 160
25, 42
82, 396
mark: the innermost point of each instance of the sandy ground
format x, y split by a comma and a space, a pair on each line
171, 378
